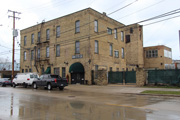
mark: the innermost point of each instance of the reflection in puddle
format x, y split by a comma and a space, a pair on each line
22, 106
39, 107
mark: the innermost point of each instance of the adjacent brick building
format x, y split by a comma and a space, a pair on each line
77, 44
157, 57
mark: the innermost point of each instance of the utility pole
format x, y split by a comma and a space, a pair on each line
14, 35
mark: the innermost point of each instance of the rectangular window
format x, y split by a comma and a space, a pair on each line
156, 53
56, 71
57, 50
117, 69
24, 55
22, 70
122, 36
26, 70
96, 46
32, 54
115, 33
39, 36
47, 51
77, 26
95, 26
77, 45
47, 34
131, 30
110, 50
25, 40
109, 31
151, 53
122, 55
63, 72
30, 70
128, 38
116, 53
96, 71
38, 53
147, 55
58, 31
32, 39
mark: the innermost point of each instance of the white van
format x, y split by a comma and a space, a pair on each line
25, 79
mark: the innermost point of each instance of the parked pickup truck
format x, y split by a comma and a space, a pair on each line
50, 81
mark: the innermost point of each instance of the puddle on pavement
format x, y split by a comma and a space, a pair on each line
30, 107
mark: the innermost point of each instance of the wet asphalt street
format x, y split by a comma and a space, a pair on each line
30, 104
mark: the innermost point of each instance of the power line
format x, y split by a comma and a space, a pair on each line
161, 20
123, 7
142, 9
162, 15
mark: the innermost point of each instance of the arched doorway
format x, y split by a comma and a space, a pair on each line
77, 73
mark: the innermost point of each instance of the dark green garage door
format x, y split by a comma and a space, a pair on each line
130, 77
115, 77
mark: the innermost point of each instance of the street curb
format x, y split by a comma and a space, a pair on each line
168, 95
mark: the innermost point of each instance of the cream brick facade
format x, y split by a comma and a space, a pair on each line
134, 47
157, 61
86, 37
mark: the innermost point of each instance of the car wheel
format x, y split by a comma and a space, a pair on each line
49, 87
2, 85
14, 85
61, 88
34, 85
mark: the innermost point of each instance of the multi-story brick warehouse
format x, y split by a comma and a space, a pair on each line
76, 44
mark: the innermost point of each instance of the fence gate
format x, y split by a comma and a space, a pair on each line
115, 77
130, 77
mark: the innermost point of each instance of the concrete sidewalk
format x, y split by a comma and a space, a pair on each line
114, 89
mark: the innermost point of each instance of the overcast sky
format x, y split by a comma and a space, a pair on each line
34, 11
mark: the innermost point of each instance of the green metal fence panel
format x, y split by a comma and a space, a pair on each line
115, 77
130, 77
171, 77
